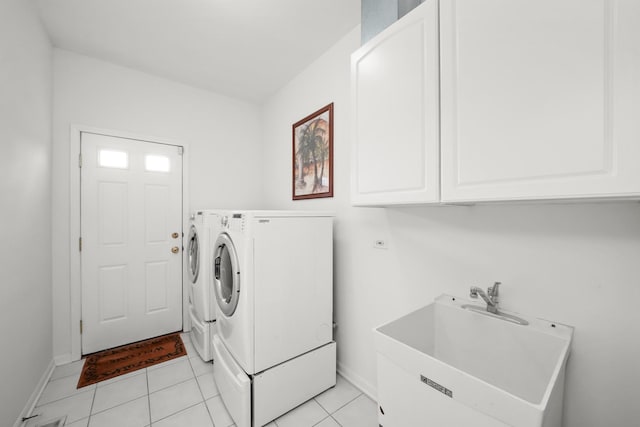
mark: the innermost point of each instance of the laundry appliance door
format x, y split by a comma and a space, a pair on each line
226, 275
193, 254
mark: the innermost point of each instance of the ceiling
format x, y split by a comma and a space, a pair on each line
246, 49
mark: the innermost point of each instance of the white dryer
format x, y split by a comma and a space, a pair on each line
273, 284
202, 312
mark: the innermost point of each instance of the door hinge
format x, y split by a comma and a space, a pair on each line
80, 244
80, 160
81, 326
180, 150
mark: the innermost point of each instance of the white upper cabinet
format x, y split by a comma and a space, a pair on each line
395, 109
540, 99
498, 100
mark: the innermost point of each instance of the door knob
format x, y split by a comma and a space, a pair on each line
175, 250
175, 235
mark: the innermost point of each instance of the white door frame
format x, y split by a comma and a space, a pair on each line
74, 223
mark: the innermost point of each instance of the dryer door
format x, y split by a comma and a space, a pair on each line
193, 254
226, 276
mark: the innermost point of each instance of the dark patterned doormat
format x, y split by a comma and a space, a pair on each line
117, 361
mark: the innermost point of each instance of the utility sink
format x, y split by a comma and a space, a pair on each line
448, 365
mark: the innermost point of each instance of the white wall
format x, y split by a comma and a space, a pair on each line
577, 264
25, 213
222, 134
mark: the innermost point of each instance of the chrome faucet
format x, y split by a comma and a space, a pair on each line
491, 297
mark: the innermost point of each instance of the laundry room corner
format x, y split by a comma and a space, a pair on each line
25, 216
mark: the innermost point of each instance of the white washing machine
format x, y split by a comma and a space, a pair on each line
273, 284
203, 226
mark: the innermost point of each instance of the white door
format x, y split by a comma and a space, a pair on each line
131, 244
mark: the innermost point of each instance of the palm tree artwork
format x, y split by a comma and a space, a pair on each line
312, 150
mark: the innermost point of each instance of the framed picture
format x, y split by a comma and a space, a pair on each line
312, 166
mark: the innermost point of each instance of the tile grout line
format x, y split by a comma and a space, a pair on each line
38, 404
146, 373
121, 403
201, 393
64, 377
336, 421
183, 409
330, 414
339, 408
209, 412
197, 382
148, 394
169, 386
93, 401
325, 418
195, 375
177, 412
122, 377
322, 420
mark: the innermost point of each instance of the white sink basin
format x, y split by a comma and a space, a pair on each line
447, 365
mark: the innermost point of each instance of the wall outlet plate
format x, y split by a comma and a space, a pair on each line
380, 244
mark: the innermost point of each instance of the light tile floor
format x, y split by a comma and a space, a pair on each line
182, 393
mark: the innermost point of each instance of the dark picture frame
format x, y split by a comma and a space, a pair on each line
312, 155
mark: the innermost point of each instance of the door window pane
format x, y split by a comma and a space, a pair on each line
156, 163
226, 275
113, 159
194, 254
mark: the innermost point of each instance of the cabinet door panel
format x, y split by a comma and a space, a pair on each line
530, 91
395, 113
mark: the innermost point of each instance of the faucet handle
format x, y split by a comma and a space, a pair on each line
473, 292
494, 290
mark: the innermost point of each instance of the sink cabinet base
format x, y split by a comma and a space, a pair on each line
405, 400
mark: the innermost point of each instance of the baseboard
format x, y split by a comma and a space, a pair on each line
63, 359
31, 403
358, 381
